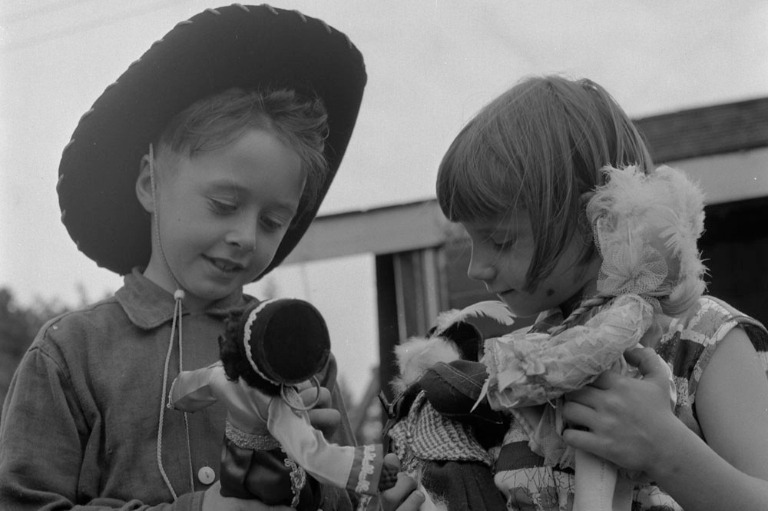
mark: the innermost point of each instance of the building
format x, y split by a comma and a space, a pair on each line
421, 259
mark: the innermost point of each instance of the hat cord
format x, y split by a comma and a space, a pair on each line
178, 296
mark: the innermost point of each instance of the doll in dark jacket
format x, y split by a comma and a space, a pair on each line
271, 452
440, 437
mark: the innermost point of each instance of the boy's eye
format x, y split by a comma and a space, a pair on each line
222, 207
273, 224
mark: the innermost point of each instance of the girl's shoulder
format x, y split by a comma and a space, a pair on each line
709, 321
689, 342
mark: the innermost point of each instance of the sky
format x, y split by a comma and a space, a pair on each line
431, 65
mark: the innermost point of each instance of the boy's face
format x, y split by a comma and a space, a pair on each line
502, 252
222, 215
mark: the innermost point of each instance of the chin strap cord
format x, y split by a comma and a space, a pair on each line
178, 297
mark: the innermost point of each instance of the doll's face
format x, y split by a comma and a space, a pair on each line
221, 214
502, 251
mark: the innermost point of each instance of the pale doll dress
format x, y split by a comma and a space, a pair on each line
258, 421
687, 344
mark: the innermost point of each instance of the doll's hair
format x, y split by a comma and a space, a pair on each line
298, 121
538, 148
234, 358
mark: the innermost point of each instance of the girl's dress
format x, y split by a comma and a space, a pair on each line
532, 483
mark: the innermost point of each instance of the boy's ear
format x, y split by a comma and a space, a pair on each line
144, 186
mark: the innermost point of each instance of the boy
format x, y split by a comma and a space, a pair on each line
194, 174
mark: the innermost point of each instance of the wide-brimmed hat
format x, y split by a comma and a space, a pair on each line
250, 47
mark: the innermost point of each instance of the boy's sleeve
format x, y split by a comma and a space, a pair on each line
43, 433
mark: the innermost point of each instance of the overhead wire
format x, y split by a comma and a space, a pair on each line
99, 22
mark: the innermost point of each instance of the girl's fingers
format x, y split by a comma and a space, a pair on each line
577, 414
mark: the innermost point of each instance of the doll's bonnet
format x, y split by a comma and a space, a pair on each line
646, 228
286, 340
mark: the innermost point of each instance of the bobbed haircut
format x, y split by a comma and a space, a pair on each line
299, 122
538, 148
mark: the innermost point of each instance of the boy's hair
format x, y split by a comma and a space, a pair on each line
538, 147
297, 121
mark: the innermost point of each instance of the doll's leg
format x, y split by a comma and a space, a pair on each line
595, 483
622, 495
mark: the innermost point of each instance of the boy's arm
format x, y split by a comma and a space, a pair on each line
42, 434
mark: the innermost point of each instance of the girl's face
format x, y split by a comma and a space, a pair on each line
222, 215
501, 254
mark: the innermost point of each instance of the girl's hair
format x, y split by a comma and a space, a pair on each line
538, 148
299, 122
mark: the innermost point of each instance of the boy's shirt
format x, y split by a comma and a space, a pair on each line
86, 400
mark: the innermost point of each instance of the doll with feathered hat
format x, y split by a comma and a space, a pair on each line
646, 228
271, 451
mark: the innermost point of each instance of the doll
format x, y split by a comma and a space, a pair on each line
646, 228
439, 440
271, 452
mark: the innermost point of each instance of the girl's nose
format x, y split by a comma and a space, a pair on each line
480, 266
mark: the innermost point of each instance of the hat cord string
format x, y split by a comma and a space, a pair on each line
178, 296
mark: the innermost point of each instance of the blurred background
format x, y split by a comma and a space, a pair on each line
431, 65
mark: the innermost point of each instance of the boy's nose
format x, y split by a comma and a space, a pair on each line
243, 235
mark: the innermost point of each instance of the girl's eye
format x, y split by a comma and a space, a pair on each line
222, 207
503, 244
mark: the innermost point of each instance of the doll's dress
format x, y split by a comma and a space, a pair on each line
439, 440
645, 227
270, 446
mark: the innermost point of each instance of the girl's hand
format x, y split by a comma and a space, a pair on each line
628, 421
322, 416
213, 501
403, 495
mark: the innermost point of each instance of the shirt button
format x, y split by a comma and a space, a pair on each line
206, 475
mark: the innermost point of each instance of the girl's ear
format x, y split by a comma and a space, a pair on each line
144, 185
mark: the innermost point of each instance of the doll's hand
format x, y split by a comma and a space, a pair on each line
403, 495
213, 501
628, 420
321, 416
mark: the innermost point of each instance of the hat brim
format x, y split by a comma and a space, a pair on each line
251, 47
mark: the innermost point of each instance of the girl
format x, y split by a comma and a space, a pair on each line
519, 177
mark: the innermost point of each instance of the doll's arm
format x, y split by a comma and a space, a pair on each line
194, 390
355, 468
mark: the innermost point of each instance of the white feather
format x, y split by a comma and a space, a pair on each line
418, 354
493, 309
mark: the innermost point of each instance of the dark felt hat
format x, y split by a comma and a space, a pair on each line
286, 340
250, 47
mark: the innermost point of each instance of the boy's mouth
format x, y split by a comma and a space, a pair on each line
225, 265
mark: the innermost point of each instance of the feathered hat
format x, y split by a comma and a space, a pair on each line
249, 47
646, 227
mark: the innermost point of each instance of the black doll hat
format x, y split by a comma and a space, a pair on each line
285, 340
250, 47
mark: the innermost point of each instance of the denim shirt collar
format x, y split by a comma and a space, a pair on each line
148, 305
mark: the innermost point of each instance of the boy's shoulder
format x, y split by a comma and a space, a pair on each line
82, 324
